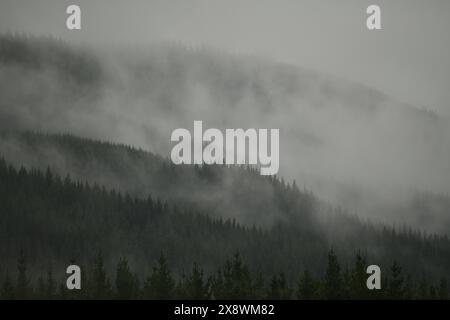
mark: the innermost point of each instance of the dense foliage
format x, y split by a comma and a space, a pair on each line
64, 199
57, 221
232, 280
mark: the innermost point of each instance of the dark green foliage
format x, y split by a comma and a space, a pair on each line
358, 278
396, 282
408, 288
160, 284
307, 287
194, 285
64, 208
333, 278
100, 285
50, 285
126, 283
422, 290
279, 288
443, 289
59, 219
258, 290
7, 291
23, 290
233, 281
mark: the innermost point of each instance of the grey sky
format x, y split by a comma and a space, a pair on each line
408, 59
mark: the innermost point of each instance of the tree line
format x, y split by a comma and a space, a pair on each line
232, 280
60, 220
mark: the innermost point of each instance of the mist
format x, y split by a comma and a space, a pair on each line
353, 146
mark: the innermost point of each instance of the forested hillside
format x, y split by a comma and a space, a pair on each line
141, 227
227, 192
55, 219
138, 96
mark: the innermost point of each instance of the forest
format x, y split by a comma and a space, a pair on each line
232, 280
78, 186
152, 248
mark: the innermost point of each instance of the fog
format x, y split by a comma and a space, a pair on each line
406, 59
370, 150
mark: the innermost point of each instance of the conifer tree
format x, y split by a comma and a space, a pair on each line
258, 288
160, 284
125, 281
408, 290
396, 282
443, 289
279, 288
23, 290
7, 291
333, 278
422, 290
219, 289
306, 287
50, 286
195, 285
358, 287
101, 287
240, 278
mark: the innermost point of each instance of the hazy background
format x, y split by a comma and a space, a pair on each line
407, 59
350, 103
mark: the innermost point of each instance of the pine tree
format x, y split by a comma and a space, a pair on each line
258, 288
195, 285
7, 291
358, 287
346, 284
160, 284
433, 293
306, 287
125, 281
240, 278
233, 281
333, 278
422, 292
279, 288
273, 290
218, 288
180, 287
396, 282
101, 287
443, 289
40, 292
50, 286
408, 289
23, 290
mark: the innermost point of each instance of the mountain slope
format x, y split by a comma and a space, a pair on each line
352, 145
58, 220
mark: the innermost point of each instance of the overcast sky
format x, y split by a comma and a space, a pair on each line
408, 59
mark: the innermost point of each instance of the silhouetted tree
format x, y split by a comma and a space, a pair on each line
333, 278
7, 292
125, 281
160, 284
396, 282
358, 285
101, 287
23, 289
307, 287
443, 289
279, 288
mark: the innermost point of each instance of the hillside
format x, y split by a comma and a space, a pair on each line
226, 192
351, 145
360, 171
300, 227
52, 220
